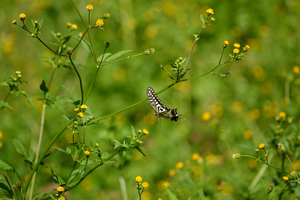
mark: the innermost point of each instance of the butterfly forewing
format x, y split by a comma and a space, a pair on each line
159, 108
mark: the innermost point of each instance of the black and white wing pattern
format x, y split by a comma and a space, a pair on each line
159, 108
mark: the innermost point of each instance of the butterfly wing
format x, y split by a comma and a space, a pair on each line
155, 102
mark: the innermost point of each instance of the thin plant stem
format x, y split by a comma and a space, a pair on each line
80, 81
196, 39
10, 184
93, 169
36, 166
127, 57
38, 147
95, 76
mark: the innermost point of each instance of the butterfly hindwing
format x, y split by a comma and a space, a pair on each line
159, 108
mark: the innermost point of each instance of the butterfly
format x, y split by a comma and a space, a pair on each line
159, 108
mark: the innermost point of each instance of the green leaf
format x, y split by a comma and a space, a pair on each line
202, 19
69, 94
104, 56
4, 84
5, 188
171, 195
190, 198
133, 131
117, 144
85, 44
4, 165
116, 55
20, 148
61, 150
41, 196
41, 24
43, 87
5, 104
29, 99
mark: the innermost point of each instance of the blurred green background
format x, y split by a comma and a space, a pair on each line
238, 108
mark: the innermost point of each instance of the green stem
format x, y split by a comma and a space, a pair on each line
107, 63
35, 168
292, 165
135, 104
7, 96
93, 169
280, 189
80, 81
10, 184
38, 147
95, 76
50, 48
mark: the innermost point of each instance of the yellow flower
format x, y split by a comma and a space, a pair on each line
145, 185
247, 47
89, 7
236, 45
236, 51
99, 22
171, 172
159, 199
210, 11
1, 134
296, 69
80, 114
247, 134
236, 156
83, 106
195, 156
22, 16
206, 116
282, 114
74, 26
87, 153
226, 43
76, 109
62, 198
69, 24
138, 179
261, 145
60, 189
286, 178
14, 21
179, 165
145, 131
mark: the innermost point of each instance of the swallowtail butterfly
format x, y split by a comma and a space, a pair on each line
159, 108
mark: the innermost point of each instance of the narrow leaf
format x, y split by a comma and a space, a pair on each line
104, 56
4, 165
116, 55
171, 195
29, 99
69, 94
133, 131
20, 148
85, 44
202, 19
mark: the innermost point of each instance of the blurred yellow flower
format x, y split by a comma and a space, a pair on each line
179, 165
261, 145
247, 47
247, 134
145, 185
195, 156
145, 131
100, 22
255, 113
236, 50
237, 106
1, 134
22, 16
226, 43
206, 116
252, 163
69, 24
74, 26
210, 11
138, 179
80, 114
89, 7
171, 172
236, 45
286, 178
60, 189
83, 106
76, 109
296, 69
282, 114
